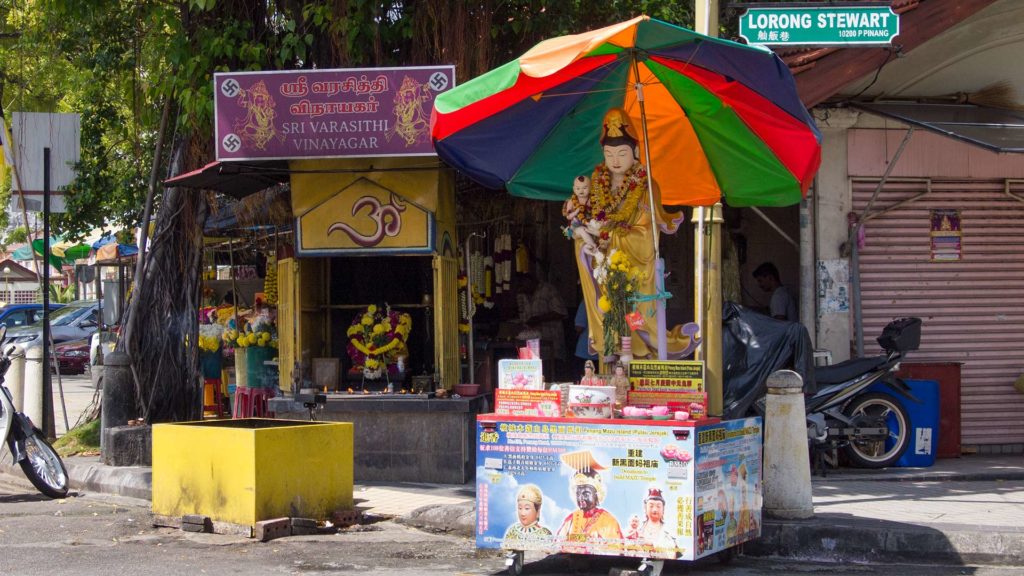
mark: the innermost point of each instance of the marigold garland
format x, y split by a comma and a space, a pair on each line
618, 207
377, 339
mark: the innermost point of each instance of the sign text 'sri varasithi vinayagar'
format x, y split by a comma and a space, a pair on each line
356, 112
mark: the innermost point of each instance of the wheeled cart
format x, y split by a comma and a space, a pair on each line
647, 489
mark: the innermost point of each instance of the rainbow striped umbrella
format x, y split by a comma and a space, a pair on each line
721, 120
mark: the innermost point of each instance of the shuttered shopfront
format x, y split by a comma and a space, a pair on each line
971, 302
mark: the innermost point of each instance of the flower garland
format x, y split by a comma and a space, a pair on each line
618, 207
377, 339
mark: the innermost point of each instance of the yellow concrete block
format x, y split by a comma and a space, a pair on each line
248, 470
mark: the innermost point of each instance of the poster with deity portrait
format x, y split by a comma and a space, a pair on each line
598, 487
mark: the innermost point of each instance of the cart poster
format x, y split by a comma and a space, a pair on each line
511, 402
696, 403
584, 487
667, 375
728, 485
520, 374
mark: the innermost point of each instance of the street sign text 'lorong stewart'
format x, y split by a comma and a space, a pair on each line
849, 25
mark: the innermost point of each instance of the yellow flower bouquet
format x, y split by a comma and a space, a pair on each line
619, 280
210, 359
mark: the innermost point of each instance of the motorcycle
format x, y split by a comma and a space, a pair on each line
872, 427
38, 460
844, 408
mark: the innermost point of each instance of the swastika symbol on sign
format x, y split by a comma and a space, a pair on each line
438, 81
231, 143
230, 88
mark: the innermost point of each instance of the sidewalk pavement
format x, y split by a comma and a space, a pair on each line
961, 510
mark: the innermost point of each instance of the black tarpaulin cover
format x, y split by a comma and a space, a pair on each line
754, 346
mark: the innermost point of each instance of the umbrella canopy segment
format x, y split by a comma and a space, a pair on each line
69, 251
723, 119
108, 248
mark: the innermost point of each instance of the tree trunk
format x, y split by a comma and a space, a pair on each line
162, 328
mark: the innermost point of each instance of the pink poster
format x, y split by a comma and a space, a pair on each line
355, 112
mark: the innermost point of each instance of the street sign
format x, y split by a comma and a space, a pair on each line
336, 113
832, 25
30, 133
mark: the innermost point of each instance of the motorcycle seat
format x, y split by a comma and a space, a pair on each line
847, 370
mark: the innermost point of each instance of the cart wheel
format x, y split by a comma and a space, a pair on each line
725, 556
514, 563
649, 568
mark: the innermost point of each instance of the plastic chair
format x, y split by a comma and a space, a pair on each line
243, 402
259, 402
252, 402
216, 394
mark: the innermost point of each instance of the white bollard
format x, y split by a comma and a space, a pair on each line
33, 400
15, 377
787, 468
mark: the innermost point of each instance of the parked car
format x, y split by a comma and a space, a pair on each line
109, 338
75, 321
72, 357
17, 315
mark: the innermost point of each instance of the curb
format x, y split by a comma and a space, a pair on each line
833, 538
984, 476
129, 481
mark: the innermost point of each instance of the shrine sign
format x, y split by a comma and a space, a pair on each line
354, 112
820, 26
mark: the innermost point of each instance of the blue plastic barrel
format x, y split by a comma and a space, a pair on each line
924, 421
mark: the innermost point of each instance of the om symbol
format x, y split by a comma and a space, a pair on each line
388, 219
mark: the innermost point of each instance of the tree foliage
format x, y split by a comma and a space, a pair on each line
117, 62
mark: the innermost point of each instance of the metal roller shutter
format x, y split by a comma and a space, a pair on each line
972, 308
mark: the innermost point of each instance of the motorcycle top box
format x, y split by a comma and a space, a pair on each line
901, 335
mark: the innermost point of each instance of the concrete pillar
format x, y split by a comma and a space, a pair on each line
32, 400
707, 299
15, 377
705, 17
118, 400
787, 467
808, 289
832, 201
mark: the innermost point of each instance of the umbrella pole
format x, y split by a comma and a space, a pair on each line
659, 264
708, 264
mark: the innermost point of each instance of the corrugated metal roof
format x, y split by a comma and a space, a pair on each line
992, 128
820, 72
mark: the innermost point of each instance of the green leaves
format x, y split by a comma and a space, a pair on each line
117, 61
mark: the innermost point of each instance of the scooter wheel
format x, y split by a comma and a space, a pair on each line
44, 468
878, 410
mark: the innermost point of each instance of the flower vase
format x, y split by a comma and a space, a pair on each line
210, 364
626, 349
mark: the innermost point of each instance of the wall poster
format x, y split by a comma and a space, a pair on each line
833, 286
946, 236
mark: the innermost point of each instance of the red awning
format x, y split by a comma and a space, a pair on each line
238, 179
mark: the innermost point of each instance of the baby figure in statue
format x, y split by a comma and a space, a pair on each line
577, 211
